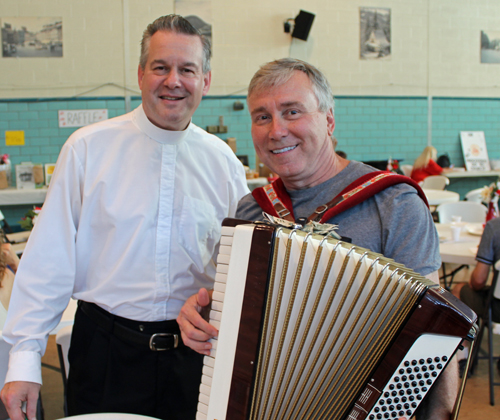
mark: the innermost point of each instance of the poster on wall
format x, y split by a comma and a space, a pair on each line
32, 37
375, 33
198, 13
490, 47
474, 150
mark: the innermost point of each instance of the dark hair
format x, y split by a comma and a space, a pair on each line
177, 24
444, 161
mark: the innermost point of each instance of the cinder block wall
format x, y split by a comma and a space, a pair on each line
381, 105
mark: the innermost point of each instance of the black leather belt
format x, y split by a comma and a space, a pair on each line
167, 337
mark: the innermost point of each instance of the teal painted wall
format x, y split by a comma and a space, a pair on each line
367, 128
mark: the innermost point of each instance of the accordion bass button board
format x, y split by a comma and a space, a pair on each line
314, 328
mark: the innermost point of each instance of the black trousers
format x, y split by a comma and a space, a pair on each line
108, 374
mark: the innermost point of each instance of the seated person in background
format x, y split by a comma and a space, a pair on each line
425, 165
8, 267
291, 108
444, 161
475, 293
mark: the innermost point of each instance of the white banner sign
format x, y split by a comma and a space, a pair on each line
81, 117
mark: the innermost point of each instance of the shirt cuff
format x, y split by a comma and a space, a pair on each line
25, 366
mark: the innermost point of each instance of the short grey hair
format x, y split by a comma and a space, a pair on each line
278, 72
179, 25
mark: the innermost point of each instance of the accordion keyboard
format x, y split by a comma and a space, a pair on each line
215, 316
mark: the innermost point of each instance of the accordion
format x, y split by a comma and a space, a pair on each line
315, 328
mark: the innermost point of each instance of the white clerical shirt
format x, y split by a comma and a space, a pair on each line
131, 223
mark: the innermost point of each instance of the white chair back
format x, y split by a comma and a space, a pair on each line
63, 339
474, 196
407, 169
469, 212
435, 182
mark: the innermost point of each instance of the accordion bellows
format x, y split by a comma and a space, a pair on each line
315, 328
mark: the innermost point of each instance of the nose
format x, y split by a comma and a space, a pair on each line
172, 80
278, 129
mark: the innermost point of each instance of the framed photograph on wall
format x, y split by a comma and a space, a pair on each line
490, 47
32, 37
374, 33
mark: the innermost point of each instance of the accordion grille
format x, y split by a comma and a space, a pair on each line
332, 310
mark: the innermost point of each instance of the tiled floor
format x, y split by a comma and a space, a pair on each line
475, 405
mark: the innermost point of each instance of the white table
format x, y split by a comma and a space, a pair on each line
436, 197
463, 251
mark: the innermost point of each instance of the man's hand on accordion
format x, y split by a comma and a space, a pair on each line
192, 320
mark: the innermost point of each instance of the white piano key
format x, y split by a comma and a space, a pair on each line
219, 287
208, 371
217, 315
225, 249
206, 380
222, 268
201, 416
217, 305
223, 259
208, 361
218, 296
205, 390
221, 278
215, 323
204, 399
226, 240
203, 408
214, 343
213, 352
227, 230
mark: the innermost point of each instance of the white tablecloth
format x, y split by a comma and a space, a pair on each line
464, 250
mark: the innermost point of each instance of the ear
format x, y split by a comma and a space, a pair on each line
207, 79
140, 75
330, 122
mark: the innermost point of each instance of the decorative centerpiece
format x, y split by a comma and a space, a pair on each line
489, 196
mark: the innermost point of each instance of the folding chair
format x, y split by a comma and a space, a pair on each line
435, 182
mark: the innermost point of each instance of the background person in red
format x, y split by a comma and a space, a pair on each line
426, 165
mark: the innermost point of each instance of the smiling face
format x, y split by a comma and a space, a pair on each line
291, 136
172, 81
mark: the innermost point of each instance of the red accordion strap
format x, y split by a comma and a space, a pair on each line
274, 199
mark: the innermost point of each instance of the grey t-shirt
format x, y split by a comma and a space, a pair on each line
488, 251
395, 222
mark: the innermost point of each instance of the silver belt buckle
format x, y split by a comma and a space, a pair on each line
152, 344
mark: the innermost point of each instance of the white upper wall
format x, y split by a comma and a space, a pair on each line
435, 46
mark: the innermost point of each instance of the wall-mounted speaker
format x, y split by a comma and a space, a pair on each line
303, 23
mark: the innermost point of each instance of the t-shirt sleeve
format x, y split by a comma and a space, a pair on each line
485, 251
248, 209
408, 232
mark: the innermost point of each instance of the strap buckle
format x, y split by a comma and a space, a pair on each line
283, 212
154, 346
321, 209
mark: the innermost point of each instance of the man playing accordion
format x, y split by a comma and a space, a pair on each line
291, 107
